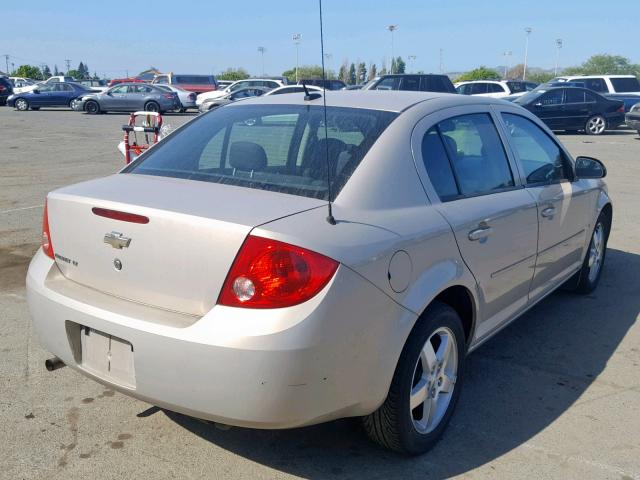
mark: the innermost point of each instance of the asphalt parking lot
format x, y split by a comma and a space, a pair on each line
555, 395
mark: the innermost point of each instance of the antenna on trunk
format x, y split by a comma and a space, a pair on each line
330, 217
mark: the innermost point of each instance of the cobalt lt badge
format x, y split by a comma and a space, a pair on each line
117, 264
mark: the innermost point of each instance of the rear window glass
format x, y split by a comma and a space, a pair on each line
621, 85
194, 79
269, 147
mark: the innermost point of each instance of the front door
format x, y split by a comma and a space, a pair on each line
115, 99
550, 109
493, 217
563, 206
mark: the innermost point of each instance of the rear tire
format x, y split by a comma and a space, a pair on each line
428, 378
21, 104
151, 107
596, 125
92, 107
589, 275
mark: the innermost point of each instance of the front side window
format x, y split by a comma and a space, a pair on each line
551, 98
495, 88
542, 159
119, 90
411, 83
476, 154
478, 88
269, 147
389, 83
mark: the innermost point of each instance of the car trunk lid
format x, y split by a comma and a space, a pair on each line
178, 259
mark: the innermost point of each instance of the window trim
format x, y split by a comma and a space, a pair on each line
568, 160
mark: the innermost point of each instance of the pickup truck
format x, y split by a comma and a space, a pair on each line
624, 88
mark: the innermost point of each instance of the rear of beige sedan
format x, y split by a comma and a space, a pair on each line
267, 266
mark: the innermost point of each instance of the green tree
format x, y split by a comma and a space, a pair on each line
401, 66
75, 74
343, 74
81, 72
480, 73
56, 72
308, 72
361, 73
516, 72
373, 71
27, 71
539, 77
394, 68
233, 74
352, 74
604, 64
46, 72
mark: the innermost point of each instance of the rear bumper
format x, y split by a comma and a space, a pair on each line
633, 121
331, 357
614, 120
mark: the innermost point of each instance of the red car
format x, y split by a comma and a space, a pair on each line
192, 83
116, 81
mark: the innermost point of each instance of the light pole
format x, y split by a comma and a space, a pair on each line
297, 38
328, 57
507, 63
68, 62
392, 28
262, 50
441, 60
411, 59
526, 53
558, 48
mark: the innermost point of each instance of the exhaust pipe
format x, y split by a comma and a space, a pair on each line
53, 363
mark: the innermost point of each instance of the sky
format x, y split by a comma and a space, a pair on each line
116, 38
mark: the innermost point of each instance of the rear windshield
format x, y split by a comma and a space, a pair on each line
281, 148
621, 85
194, 79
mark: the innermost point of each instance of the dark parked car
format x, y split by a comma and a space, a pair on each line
328, 84
573, 109
130, 97
6, 89
428, 82
55, 94
633, 118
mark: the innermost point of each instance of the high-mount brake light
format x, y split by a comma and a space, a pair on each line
122, 216
47, 245
271, 274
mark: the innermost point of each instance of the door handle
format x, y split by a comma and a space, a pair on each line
548, 212
480, 233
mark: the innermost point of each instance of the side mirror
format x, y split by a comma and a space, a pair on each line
587, 167
35, 90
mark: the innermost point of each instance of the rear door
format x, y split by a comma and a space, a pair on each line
563, 202
473, 183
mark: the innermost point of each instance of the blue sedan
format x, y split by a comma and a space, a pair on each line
59, 94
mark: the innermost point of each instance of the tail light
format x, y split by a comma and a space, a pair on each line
2, 88
168, 95
621, 109
47, 246
271, 274
192, 96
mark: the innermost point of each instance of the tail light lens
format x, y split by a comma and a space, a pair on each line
47, 246
192, 96
271, 274
2, 88
168, 95
621, 109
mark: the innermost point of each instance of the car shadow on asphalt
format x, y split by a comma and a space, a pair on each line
516, 385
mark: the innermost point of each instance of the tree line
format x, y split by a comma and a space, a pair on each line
43, 72
601, 64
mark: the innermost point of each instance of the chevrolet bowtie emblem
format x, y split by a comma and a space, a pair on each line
117, 240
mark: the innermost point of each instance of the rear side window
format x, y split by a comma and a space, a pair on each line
478, 88
542, 159
495, 88
622, 85
269, 147
437, 83
476, 161
574, 96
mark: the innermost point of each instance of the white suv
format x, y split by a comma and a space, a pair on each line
249, 82
605, 83
495, 88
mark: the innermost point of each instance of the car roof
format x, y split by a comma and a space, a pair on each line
597, 76
392, 101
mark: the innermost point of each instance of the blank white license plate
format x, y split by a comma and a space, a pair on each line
107, 357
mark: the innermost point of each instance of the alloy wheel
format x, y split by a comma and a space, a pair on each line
596, 252
434, 379
22, 104
596, 125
